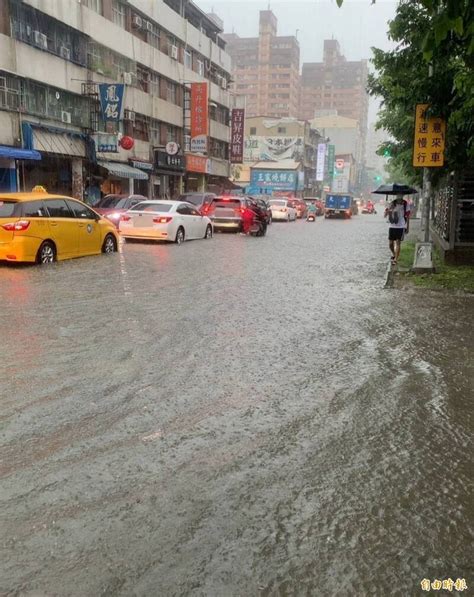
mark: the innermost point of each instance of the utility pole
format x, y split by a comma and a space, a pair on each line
426, 203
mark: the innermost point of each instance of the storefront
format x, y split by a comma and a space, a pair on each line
168, 175
11, 159
142, 186
207, 174
63, 153
119, 178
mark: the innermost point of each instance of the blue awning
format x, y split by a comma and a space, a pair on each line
17, 153
123, 170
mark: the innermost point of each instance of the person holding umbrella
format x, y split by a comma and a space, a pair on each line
398, 215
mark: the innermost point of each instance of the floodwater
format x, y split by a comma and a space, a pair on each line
234, 417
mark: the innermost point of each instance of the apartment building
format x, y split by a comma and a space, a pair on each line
266, 69
53, 56
336, 84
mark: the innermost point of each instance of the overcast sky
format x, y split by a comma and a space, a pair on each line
357, 25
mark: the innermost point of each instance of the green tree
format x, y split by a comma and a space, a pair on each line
433, 62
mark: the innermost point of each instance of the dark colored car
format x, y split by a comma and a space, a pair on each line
201, 201
113, 206
264, 206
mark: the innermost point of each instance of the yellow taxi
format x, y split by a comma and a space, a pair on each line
42, 228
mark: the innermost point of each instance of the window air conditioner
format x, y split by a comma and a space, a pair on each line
66, 117
149, 26
127, 78
224, 83
41, 40
174, 52
137, 22
129, 115
65, 53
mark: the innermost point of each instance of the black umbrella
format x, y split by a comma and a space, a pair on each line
394, 189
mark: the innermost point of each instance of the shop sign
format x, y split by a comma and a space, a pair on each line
111, 99
331, 158
170, 162
320, 161
197, 163
199, 117
274, 179
105, 142
141, 165
237, 136
172, 148
430, 137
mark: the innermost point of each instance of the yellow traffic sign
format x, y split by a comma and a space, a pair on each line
430, 139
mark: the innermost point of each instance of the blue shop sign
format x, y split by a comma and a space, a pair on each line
111, 100
277, 180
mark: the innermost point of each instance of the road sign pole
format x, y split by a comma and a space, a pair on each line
426, 203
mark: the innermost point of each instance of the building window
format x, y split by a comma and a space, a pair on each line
253, 130
118, 13
171, 92
200, 68
154, 36
95, 5
141, 128
282, 129
155, 84
143, 79
171, 133
188, 59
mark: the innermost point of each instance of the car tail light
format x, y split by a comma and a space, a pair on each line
16, 226
284, 209
125, 218
162, 220
239, 210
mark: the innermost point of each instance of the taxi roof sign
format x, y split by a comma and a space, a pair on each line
38, 189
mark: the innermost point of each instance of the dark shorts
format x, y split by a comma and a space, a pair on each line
396, 233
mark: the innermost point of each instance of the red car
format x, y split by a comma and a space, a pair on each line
113, 206
299, 205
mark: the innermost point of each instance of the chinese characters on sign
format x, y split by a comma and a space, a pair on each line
111, 99
447, 585
197, 163
277, 180
331, 158
237, 136
199, 117
106, 143
321, 158
429, 143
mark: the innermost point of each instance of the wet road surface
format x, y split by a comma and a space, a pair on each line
234, 417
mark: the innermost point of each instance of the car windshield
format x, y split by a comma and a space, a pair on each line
112, 201
279, 203
194, 198
7, 208
152, 207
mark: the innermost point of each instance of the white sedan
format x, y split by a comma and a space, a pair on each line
281, 210
174, 221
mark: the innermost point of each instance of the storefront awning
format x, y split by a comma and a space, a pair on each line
16, 153
123, 170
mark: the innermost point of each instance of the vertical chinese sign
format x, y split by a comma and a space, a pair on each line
199, 117
320, 162
331, 159
430, 138
237, 136
111, 100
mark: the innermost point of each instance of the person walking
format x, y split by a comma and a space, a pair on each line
398, 216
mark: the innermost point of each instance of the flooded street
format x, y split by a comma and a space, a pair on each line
235, 417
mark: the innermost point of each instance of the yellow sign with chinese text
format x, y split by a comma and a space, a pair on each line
430, 139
